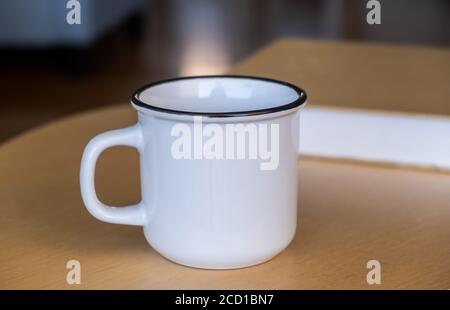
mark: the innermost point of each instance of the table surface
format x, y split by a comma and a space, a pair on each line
349, 213
350, 75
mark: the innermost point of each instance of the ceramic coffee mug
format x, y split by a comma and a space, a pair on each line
218, 166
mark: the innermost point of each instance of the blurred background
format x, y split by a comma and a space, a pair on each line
50, 68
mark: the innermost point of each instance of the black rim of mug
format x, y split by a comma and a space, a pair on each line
291, 105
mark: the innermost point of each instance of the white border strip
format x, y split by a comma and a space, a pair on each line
374, 136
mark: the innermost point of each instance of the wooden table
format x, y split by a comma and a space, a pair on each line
349, 214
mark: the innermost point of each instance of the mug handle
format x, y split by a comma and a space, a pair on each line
129, 215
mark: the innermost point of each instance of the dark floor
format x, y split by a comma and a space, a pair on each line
179, 37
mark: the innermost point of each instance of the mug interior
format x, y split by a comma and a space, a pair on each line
217, 95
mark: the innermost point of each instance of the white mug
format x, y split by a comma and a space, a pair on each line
218, 166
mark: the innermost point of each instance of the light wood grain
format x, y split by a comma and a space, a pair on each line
348, 214
352, 75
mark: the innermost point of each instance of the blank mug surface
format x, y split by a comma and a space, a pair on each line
218, 165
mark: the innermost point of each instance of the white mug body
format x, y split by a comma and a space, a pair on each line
217, 211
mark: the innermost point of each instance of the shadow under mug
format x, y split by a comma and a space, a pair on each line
218, 166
